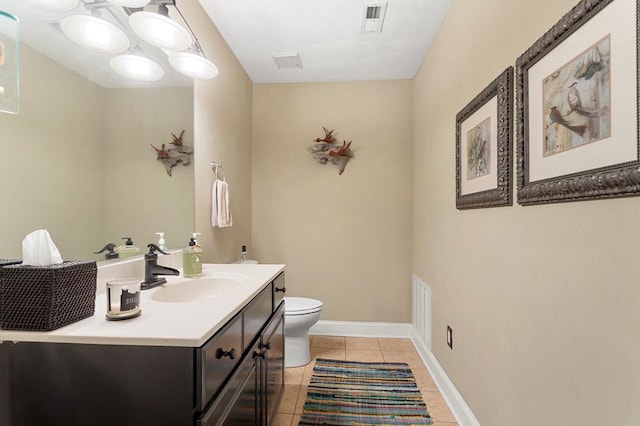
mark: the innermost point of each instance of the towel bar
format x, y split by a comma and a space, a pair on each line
218, 166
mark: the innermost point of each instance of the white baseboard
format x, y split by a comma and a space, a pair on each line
361, 329
459, 408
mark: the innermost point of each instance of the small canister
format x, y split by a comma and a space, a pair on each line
123, 299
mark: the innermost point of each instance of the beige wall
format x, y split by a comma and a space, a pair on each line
51, 172
543, 300
141, 198
346, 239
222, 129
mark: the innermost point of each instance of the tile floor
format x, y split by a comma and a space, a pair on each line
364, 349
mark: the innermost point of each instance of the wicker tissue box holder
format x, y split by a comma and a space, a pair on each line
43, 298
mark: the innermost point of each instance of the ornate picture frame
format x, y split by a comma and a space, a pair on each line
483, 147
577, 107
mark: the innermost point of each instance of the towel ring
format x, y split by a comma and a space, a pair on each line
217, 168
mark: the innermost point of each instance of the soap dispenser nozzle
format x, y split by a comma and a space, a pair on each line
161, 241
195, 237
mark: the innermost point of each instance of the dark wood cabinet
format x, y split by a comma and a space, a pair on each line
253, 392
238, 403
236, 378
272, 366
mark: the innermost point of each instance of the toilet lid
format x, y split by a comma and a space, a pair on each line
301, 305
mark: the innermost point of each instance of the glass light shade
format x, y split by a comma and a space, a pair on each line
159, 30
54, 5
193, 65
137, 67
130, 3
95, 33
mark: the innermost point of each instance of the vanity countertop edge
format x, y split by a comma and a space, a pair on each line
161, 323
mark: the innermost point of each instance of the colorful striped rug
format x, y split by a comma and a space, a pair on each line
363, 393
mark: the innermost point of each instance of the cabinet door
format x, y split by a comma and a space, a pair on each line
256, 315
245, 409
237, 403
216, 360
66, 384
273, 366
279, 290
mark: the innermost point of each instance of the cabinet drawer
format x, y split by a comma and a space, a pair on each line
237, 404
216, 359
256, 314
278, 290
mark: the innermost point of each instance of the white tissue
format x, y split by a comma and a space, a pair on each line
39, 250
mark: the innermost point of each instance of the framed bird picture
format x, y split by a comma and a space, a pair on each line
577, 107
483, 147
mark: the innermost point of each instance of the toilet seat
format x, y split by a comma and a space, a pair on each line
301, 306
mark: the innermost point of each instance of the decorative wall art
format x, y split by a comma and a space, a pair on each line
577, 107
483, 147
174, 155
9, 64
327, 150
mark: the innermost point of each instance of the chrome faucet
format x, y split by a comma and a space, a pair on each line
152, 270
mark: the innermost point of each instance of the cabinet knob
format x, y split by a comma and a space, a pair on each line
281, 289
221, 353
265, 345
257, 354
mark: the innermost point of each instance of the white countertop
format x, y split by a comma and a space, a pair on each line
161, 323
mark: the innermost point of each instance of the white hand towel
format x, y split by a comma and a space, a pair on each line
220, 209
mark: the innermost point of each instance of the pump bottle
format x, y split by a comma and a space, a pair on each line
161, 241
192, 258
128, 248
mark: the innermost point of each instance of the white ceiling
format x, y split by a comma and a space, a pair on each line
327, 35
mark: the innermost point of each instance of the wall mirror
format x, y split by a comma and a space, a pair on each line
77, 160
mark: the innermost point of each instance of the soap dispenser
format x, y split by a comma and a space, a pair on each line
192, 258
128, 249
161, 241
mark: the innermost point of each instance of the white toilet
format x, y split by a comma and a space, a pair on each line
300, 314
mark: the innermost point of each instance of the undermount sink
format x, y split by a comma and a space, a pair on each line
200, 289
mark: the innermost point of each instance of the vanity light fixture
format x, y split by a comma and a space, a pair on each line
129, 3
180, 44
54, 5
193, 65
95, 33
137, 67
160, 31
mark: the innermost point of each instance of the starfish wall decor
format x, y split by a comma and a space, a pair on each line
327, 150
174, 155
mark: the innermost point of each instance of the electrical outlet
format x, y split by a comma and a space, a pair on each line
450, 337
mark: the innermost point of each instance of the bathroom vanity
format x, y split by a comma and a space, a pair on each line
206, 353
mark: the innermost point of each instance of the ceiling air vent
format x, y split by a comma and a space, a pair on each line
288, 60
373, 17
